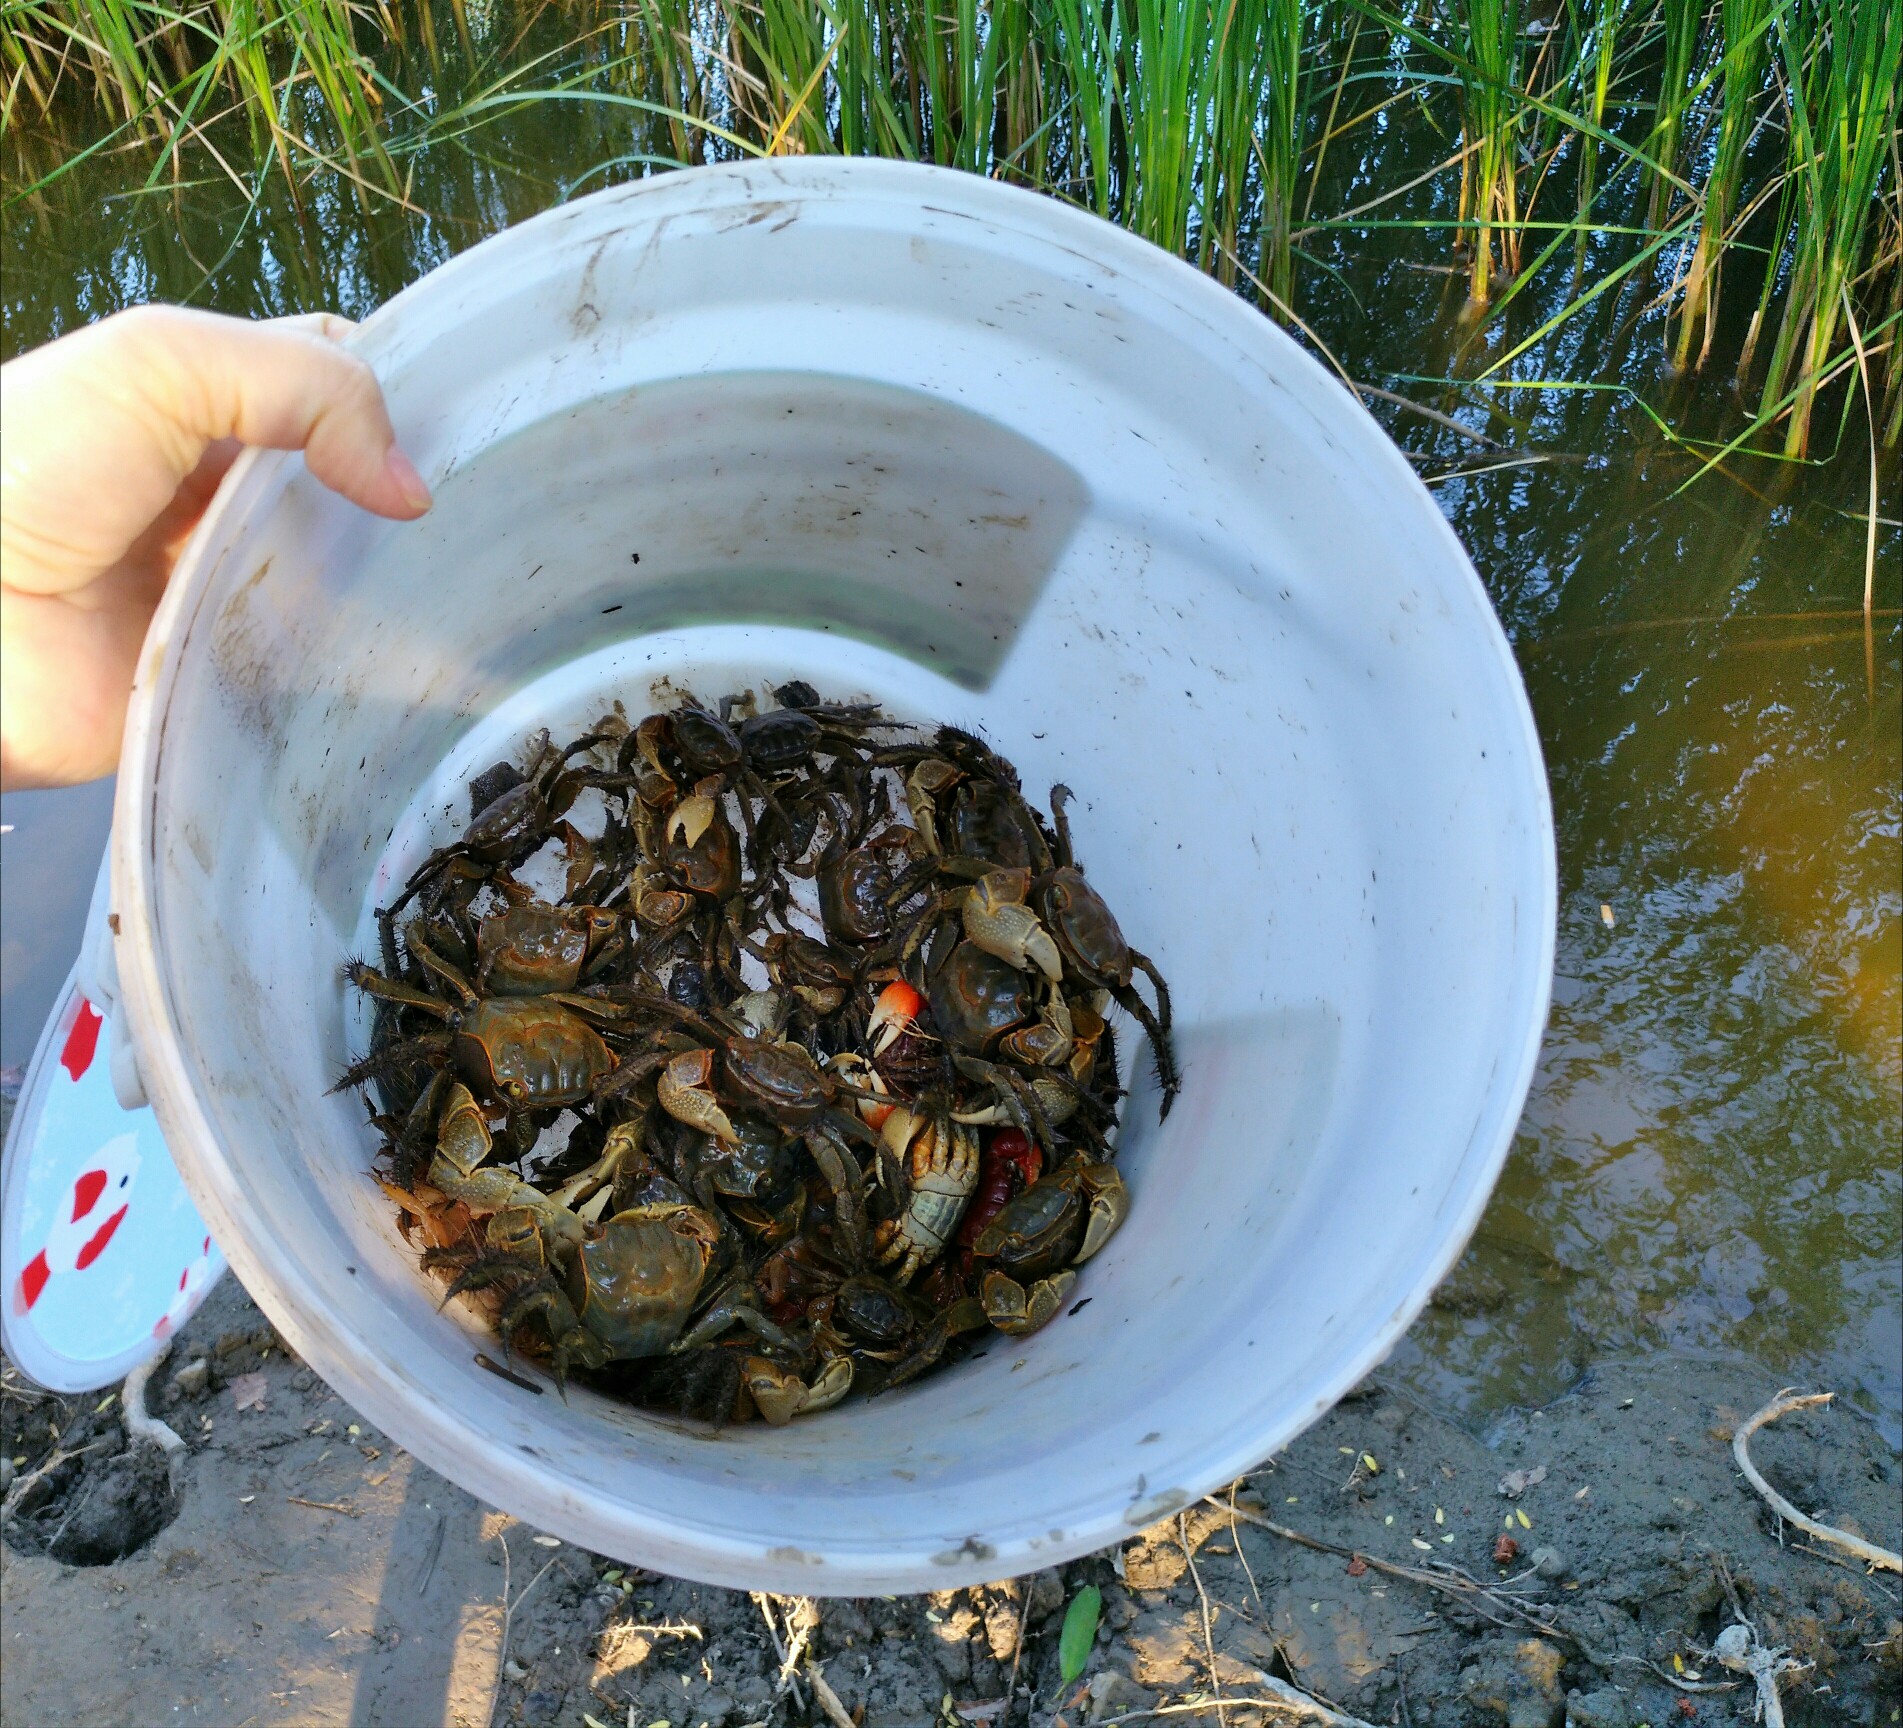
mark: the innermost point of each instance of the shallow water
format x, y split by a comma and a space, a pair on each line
1708, 1159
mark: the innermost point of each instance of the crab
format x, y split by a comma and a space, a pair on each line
526, 1053
623, 1289
1094, 949
533, 948
1026, 1257
937, 1157
515, 822
750, 1068
779, 1394
976, 998
811, 1042
856, 884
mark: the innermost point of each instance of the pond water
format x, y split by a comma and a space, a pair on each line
1709, 1158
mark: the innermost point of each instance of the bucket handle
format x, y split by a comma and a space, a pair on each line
98, 976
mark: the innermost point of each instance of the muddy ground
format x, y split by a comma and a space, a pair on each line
307, 1570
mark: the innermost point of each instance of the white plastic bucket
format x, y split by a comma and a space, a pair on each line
909, 433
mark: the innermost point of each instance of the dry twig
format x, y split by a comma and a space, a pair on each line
17, 1494
829, 1700
1202, 1596
789, 1654
1740, 1649
323, 1505
1301, 1704
1235, 1537
1785, 1402
1017, 1651
508, 1614
1281, 1700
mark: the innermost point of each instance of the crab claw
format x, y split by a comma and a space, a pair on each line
1015, 1310
851, 1066
685, 1092
780, 1395
899, 1129
892, 1015
691, 818
1109, 1206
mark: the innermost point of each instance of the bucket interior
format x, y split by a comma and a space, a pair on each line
971, 457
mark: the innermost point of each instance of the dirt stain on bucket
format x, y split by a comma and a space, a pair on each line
251, 644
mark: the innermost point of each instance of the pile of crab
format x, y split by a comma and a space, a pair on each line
746, 1058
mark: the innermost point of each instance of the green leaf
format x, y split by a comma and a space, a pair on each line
1080, 1631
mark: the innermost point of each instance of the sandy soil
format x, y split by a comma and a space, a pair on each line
312, 1572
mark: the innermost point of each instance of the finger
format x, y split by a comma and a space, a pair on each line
286, 385
332, 326
105, 425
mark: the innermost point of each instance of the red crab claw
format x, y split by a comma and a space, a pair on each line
892, 1015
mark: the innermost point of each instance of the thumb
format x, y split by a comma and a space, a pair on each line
286, 385
104, 426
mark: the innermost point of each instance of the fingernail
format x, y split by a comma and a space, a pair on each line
409, 483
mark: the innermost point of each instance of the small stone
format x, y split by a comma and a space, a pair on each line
8, 1470
753, 1694
1047, 1595
715, 1706
1516, 1681
190, 1380
1732, 1647
303, 1380
231, 1343
1606, 1708
1114, 1694
1549, 1564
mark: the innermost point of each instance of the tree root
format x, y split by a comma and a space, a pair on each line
1785, 1402
141, 1427
1739, 1648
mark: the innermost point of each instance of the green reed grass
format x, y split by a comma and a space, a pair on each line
165, 69
1491, 118
1654, 147
1745, 27
1840, 70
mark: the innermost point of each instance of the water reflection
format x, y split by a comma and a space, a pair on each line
1708, 1158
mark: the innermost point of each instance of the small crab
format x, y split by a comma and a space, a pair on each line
976, 998
1026, 1255
938, 1160
525, 1052
628, 1291
513, 824
632, 1287
761, 1073
698, 847
856, 883
533, 948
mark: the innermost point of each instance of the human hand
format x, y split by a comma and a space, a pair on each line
115, 438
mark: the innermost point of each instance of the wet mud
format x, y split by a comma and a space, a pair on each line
310, 1571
